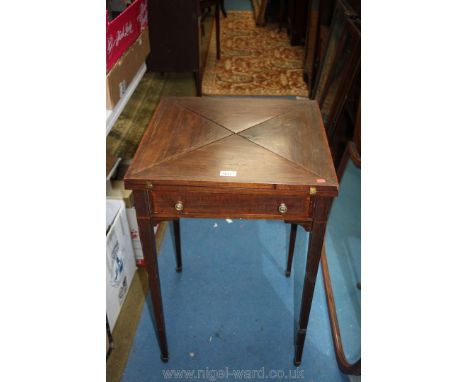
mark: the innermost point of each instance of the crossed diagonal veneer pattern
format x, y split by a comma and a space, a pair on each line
262, 140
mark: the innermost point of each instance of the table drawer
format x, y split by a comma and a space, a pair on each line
229, 204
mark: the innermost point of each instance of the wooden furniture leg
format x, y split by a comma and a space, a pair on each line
207, 4
218, 42
222, 8
292, 242
280, 15
177, 245
314, 251
148, 242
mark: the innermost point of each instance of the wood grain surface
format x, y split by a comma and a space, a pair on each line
268, 143
240, 158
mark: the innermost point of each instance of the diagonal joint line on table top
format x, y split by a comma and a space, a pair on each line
290, 161
233, 132
181, 153
204, 117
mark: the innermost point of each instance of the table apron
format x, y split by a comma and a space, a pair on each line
219, 204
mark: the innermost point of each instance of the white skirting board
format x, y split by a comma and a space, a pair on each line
112, 115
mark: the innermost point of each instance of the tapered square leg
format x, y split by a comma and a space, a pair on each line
292, 242
177, 245
314, 251
148, 243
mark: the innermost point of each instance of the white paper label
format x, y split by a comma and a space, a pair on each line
122, 88
228, 173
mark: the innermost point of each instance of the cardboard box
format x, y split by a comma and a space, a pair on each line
122, 31
135, 234
120, 260
117, 191
125, 69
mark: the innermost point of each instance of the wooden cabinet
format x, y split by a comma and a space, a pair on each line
174, 27
319, 15
297, 20
319, 19
337, 88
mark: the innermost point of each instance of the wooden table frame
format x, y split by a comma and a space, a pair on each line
316, 227
249, 196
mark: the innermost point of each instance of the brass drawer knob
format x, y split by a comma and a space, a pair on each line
282, 208
179, 206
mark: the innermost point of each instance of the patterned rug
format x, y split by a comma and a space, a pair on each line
254, 60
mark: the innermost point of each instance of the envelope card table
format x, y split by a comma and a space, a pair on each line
248, 158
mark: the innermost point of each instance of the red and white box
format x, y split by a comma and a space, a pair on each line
125, 69
122, 31
135, 234
120, 259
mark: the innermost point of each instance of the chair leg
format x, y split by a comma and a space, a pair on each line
177, 245
292, 242
222, 8
280, 15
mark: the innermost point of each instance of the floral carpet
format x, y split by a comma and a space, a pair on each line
255, 61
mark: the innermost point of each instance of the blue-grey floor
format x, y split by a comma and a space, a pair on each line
232, 307
238, 5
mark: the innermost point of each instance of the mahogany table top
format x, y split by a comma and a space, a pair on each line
234, 143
